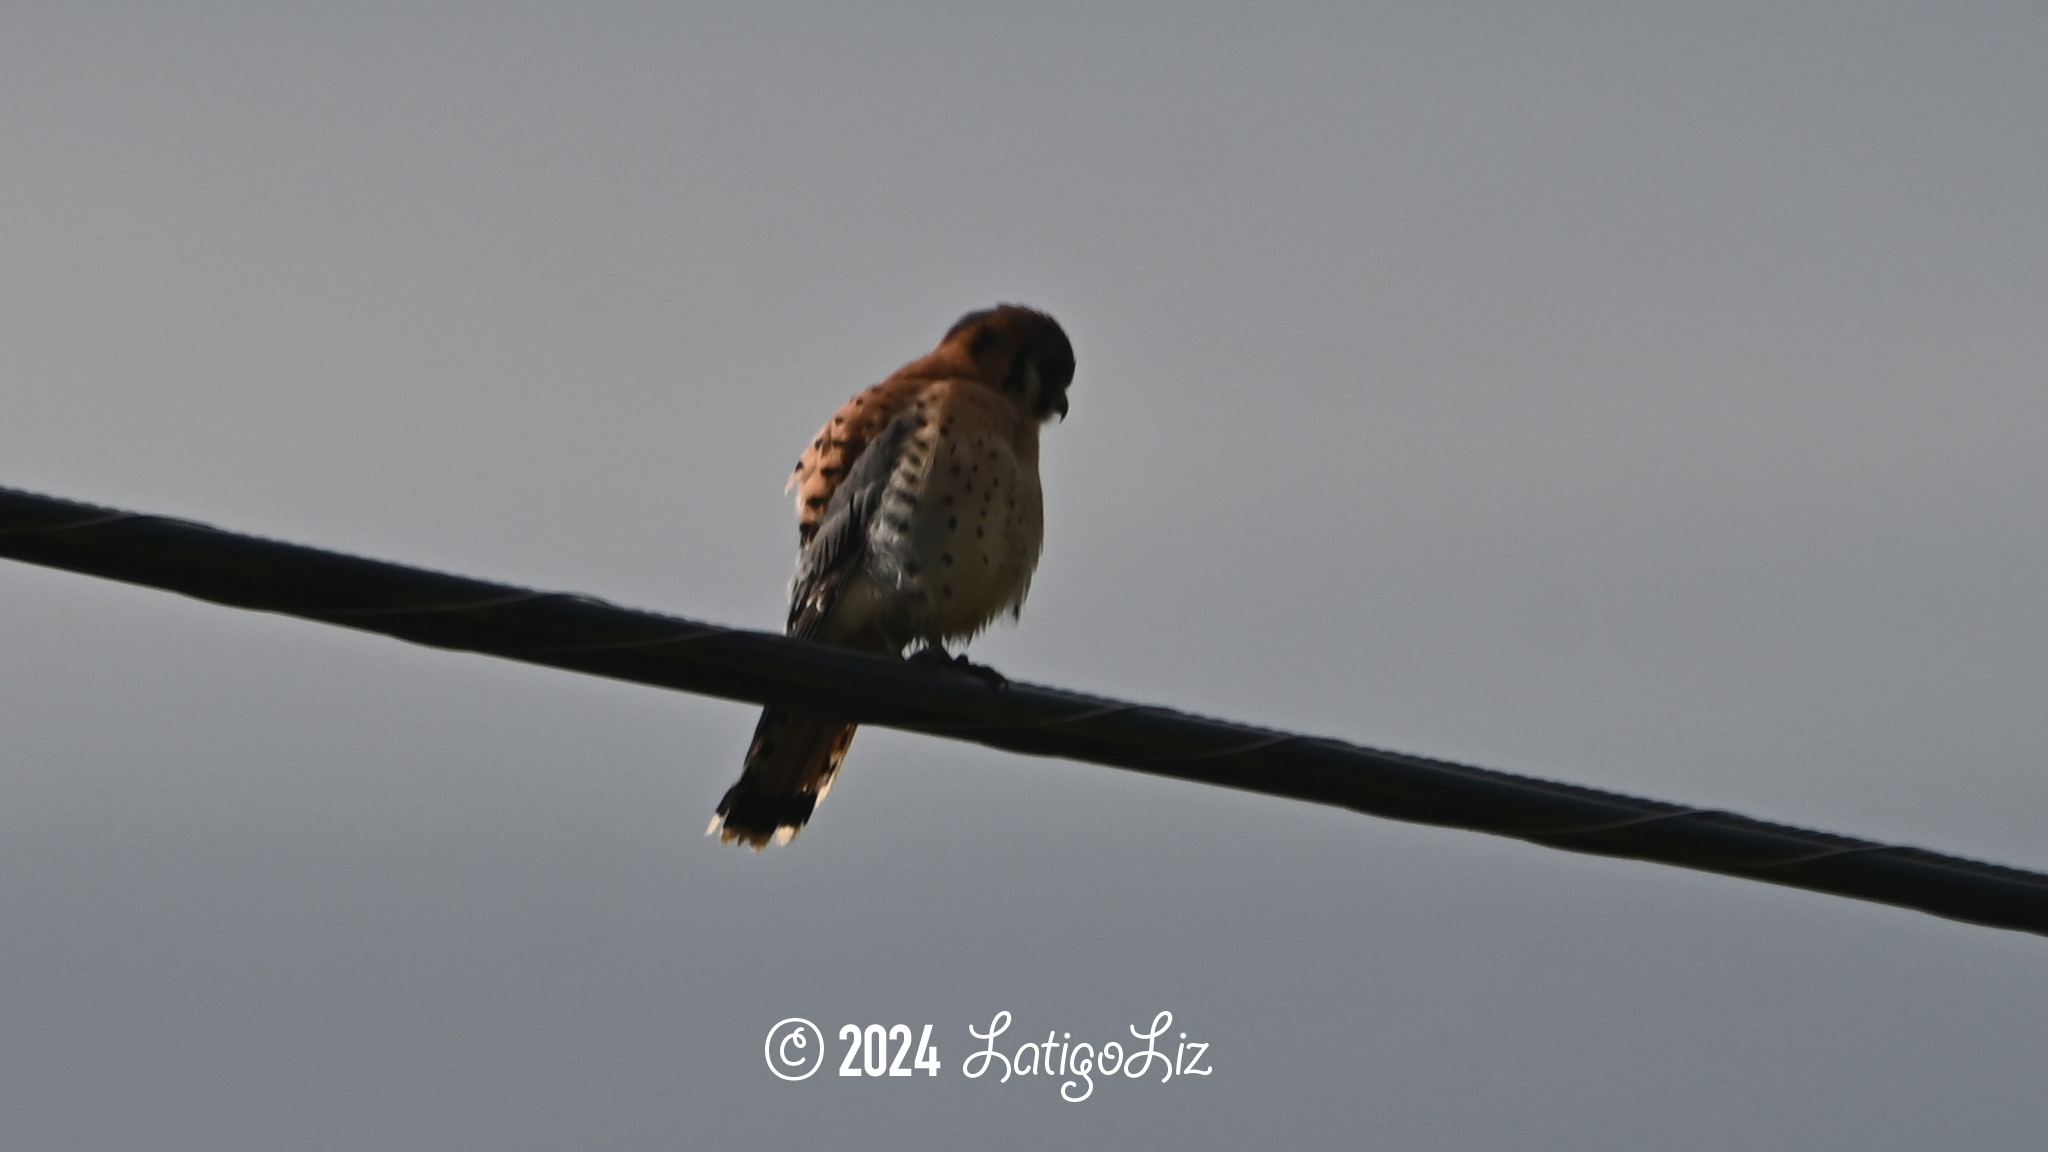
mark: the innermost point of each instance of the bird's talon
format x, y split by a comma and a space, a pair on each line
981, 672
933, 654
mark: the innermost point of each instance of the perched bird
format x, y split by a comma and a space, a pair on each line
920, 521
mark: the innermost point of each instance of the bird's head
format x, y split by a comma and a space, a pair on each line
1022, 351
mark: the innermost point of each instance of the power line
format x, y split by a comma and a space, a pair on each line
583, 634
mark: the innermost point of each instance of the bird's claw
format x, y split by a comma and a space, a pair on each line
933, 654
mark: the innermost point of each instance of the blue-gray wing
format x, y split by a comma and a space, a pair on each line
864, 529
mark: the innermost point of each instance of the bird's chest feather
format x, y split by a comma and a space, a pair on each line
963, 519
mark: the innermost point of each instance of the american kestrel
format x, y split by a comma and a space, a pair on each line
920, 521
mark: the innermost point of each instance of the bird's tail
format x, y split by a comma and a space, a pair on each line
789, 768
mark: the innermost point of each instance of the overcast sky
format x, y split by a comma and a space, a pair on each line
1647, 396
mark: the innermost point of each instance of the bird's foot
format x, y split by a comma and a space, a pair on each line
933, 654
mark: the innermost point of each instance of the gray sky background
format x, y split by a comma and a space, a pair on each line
1650, 396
